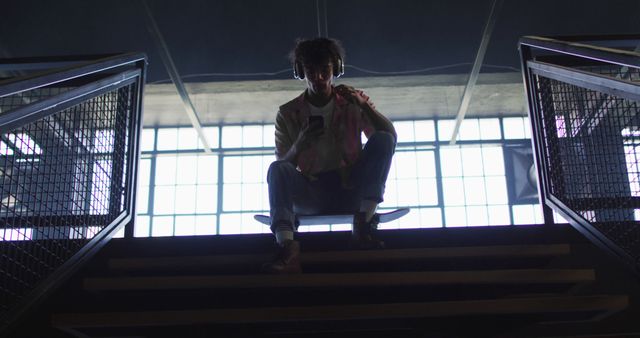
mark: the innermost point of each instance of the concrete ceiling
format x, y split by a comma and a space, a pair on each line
399, 97
215, 43
254, 36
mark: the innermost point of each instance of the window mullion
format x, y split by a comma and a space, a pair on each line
220, 180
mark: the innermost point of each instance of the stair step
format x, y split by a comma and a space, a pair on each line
514, 276
213, 261
511, 306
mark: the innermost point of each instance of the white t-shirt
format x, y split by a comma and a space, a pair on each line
325, 111
326, 148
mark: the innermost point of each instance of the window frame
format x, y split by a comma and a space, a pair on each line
435, 145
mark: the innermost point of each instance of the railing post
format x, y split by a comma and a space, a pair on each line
536, 140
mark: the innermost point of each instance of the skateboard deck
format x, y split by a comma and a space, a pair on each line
336, 219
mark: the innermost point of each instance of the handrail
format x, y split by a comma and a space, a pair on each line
29, 113
597, 53
605, 84
13, 86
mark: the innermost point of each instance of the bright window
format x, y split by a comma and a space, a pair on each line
185, 192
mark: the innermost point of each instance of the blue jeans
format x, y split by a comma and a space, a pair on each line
291, 193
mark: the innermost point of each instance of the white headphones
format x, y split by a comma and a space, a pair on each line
298, 69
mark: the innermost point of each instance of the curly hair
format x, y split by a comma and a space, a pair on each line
316, 51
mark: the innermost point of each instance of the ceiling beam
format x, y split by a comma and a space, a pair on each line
152, 27
477, 64
398, 97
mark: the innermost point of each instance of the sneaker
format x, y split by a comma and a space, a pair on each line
363, 232
286, 260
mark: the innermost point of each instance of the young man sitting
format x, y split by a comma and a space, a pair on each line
321, 166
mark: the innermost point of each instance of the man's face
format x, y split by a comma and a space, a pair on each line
319, 78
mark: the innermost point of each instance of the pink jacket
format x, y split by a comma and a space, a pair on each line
347, 124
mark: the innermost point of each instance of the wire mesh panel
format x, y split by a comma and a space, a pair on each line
24, 98
64, 178
588, 126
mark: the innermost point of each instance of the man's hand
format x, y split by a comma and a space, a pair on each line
307, 136
378, 121
353, 95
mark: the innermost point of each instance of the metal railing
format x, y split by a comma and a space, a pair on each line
584, 108
68, 162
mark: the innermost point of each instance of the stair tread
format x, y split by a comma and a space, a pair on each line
527, 305
511, 276
508, 251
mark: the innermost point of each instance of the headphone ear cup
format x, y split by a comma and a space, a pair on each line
298, 71
338, 70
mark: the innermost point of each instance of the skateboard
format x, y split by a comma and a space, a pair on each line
336, 219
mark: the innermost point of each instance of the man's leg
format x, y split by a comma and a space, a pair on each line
284, 181
285, 184
370, 175
372, 169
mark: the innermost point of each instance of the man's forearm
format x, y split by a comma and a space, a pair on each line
379, 121
291, 155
